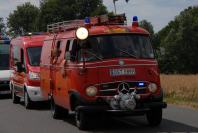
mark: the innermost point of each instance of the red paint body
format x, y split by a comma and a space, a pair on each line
61, 78
18, 53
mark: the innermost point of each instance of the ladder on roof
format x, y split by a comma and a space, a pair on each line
98, 20
64, 26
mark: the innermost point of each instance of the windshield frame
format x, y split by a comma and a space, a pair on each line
117, 34
28, 56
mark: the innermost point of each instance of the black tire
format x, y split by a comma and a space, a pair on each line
82, 120
27, 102
58, 112
154, 117
15, 99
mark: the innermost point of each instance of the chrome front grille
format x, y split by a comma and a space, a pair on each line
111, 89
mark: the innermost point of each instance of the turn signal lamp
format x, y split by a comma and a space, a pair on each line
82, 33
135, 21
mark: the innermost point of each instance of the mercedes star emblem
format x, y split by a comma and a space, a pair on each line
123, 88
121, 62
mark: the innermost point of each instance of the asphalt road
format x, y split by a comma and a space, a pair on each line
16, 119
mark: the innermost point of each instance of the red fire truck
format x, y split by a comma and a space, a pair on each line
101, 65
25, 53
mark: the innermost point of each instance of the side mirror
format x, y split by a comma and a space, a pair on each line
19, 67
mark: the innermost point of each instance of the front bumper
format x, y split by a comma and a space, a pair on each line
34, 93
4, 87
106, 109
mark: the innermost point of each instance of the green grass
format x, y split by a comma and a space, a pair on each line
181, 101
181, 89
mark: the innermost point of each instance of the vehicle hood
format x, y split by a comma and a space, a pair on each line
145, 70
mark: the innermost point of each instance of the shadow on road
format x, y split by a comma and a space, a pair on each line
133, 124
5, 96
39, 106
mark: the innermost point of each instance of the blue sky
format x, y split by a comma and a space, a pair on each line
158, 12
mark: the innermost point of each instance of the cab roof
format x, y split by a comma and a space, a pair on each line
98, 25
104, 30
117, 29
28, 41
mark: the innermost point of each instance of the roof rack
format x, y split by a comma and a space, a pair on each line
34, 33
65, 25
98, 20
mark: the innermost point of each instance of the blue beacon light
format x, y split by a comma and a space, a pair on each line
135, 19
135, 22
87, 20
141, 84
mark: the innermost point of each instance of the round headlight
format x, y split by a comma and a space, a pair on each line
82, 33
91, 91
152, 87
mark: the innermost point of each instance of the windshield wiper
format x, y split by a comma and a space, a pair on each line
123, 51
94, 55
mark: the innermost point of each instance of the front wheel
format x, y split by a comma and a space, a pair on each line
15, 99
57, 112
82, 120
27, 102
154, 117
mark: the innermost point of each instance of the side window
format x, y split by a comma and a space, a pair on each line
58, 44
22, 56
71, 50
67, 51
57, 48
68, 45
16, 54
56, 52
74, 50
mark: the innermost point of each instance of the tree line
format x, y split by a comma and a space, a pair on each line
176, 45
28, 17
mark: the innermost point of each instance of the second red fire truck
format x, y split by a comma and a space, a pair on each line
101, 65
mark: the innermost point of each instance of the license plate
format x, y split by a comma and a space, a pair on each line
120, 72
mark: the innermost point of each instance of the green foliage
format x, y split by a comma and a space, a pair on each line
61, 10
23, 18
27, 17
180, 40
89, 8
2, 26
147, 25
154, 37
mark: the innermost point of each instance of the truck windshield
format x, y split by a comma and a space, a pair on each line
116, 46
4, 56
34, 55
